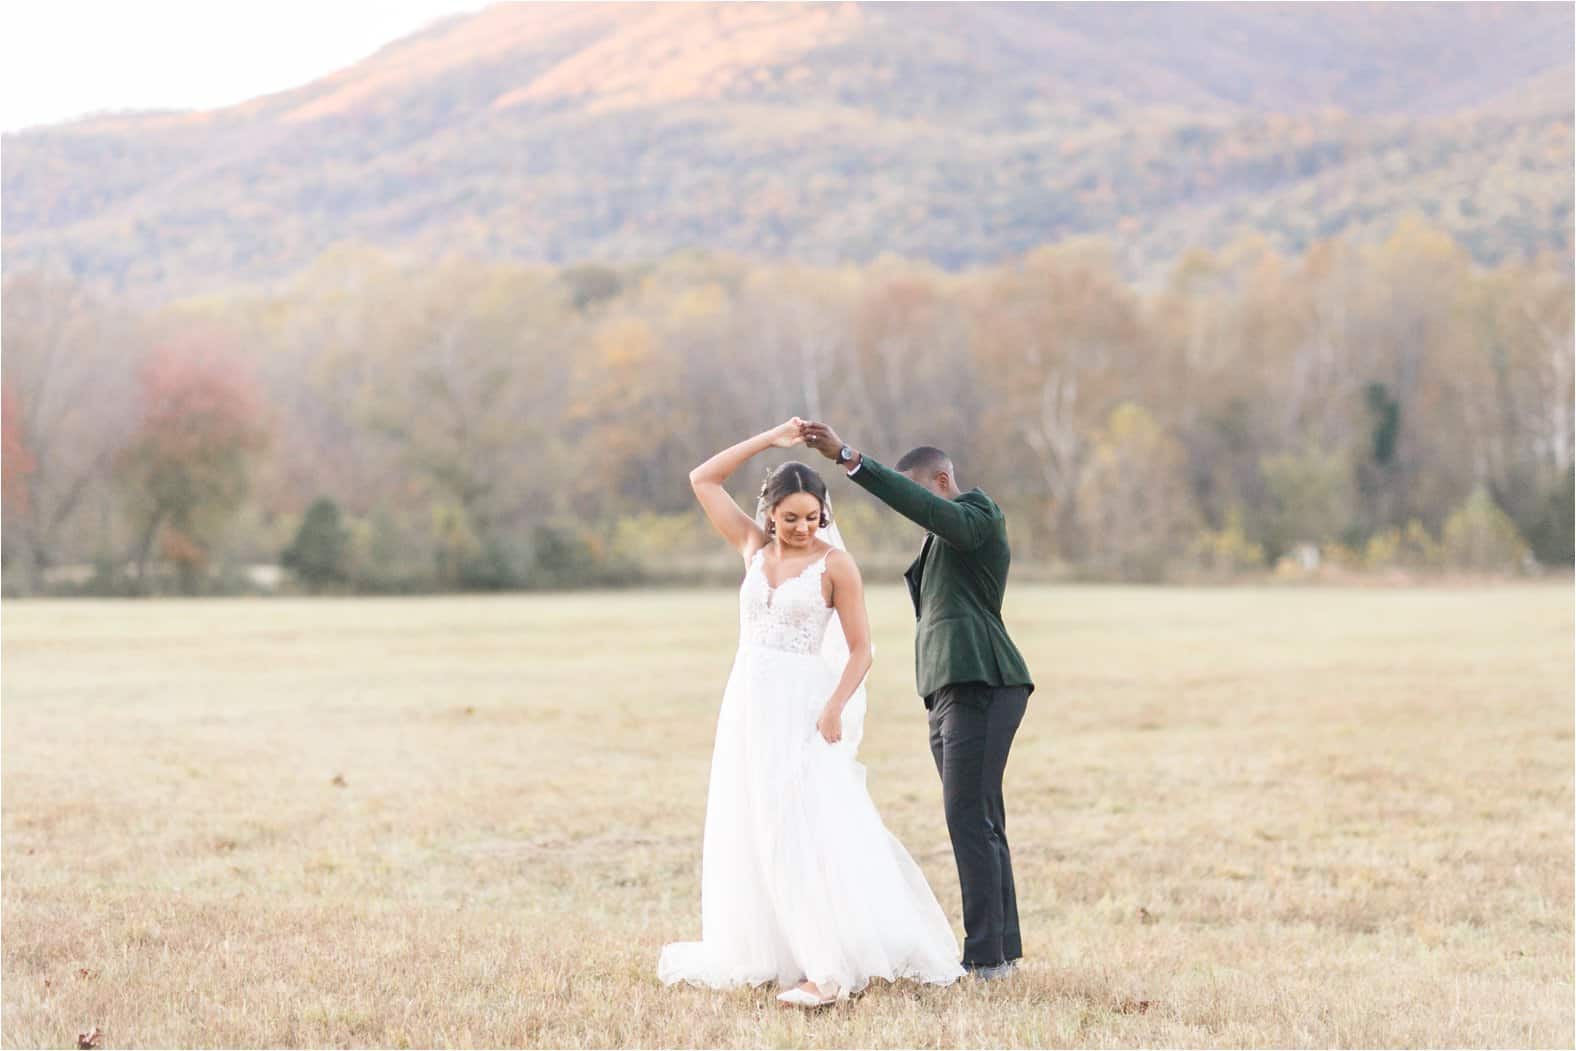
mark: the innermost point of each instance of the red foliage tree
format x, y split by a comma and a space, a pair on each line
189, 463
16, 460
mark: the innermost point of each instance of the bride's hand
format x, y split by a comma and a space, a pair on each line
830, 725
789, 434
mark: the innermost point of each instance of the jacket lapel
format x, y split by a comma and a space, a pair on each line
913, 574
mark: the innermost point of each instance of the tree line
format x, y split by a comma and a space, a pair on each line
381, 423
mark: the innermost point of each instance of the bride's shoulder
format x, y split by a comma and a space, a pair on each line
837, 559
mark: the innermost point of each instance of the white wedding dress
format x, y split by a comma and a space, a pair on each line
799, 877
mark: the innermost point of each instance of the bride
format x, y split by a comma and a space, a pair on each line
800, 880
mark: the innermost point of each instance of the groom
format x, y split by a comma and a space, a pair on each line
972, 677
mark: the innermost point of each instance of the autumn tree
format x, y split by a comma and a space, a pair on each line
69, 359
17, 461
1413, 330
625, 413
460, 372
1518, 396
16, 464
188, 465
907, 379
1134, 497
1058, 344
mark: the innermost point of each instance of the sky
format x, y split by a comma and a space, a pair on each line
60, 59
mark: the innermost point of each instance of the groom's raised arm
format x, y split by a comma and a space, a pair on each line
963, 525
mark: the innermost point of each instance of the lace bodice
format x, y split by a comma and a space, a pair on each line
791, 616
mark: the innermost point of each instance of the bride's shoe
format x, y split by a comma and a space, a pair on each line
804, 998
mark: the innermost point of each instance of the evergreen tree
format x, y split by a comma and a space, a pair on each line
317, 554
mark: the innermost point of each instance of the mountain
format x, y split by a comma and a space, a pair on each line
960, 133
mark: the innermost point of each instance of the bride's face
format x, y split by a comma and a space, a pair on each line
797, 517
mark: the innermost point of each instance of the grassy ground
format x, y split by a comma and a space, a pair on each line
1238, 817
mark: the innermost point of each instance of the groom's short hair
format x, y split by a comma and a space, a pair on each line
925, 458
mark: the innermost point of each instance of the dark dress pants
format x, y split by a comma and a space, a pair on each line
971, 730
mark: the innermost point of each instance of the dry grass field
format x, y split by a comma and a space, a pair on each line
1254, 817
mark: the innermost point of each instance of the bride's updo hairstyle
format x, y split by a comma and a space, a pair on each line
785, 480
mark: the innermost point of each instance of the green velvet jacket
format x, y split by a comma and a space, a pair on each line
956, 585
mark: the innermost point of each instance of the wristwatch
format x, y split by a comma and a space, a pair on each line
844, 454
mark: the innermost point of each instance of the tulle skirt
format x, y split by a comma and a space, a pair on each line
799, 877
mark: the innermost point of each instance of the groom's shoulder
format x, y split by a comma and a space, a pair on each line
978, 498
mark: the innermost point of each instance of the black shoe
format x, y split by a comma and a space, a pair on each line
987, 972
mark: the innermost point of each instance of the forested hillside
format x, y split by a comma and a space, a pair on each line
961, 134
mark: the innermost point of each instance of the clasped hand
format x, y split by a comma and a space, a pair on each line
817, 436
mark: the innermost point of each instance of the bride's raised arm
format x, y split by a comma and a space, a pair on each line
736, 527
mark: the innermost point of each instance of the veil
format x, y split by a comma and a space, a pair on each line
834, 644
